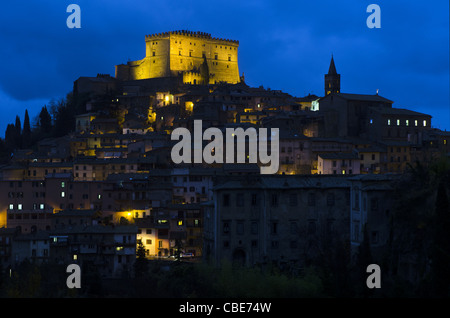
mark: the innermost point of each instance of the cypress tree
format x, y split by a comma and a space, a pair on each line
26, 133
18, 132
45, 120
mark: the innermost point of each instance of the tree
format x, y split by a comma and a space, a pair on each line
10, 140
141, 263
18, 133
441, 247
45, 120
26, 133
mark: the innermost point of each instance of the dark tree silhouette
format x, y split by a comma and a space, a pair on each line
26, 133
45, 120
441, 247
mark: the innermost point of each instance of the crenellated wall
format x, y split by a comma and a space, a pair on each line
171, 53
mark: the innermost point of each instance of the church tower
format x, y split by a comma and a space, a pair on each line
332, 79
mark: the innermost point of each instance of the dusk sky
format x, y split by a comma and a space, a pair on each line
284, 45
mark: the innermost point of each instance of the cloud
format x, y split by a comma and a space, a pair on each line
283, 44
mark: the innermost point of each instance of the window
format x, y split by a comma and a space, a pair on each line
274, 201
398, 122
311, 199
254, 227
63, 194
311, 227
274, 228
424, 123
226, 227
294, 227
11, 206
374, 204
415, 122
63, 184
240, 227
389, 122
293, 199
374, 237
330, 199
239, 199
407, 122
19, 206
226, 200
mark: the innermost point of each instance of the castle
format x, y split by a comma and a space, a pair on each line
197, 57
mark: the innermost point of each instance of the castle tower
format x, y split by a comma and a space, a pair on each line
332, 80
197, 56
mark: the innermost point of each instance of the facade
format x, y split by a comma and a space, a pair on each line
347, 114
280, 219
371, 209
338, 163
197, 56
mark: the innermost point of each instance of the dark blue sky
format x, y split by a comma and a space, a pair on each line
284, 45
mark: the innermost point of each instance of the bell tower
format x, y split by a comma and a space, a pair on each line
332, 80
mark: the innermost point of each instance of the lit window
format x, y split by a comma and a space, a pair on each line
398, 122
75, 257
407, 122
19, 206
63, 194
445, 141
11, 206
180, 222
415, 123
389, 122
371, 121
41, 206
424, 123
63, 184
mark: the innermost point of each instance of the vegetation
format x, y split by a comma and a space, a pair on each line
56, 120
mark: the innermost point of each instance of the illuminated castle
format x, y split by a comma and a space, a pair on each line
196, 56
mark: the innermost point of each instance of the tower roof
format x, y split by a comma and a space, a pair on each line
332, 69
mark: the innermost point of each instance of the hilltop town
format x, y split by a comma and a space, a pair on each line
92, 181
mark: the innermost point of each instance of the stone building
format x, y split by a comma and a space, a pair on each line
197, 57
275, 218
